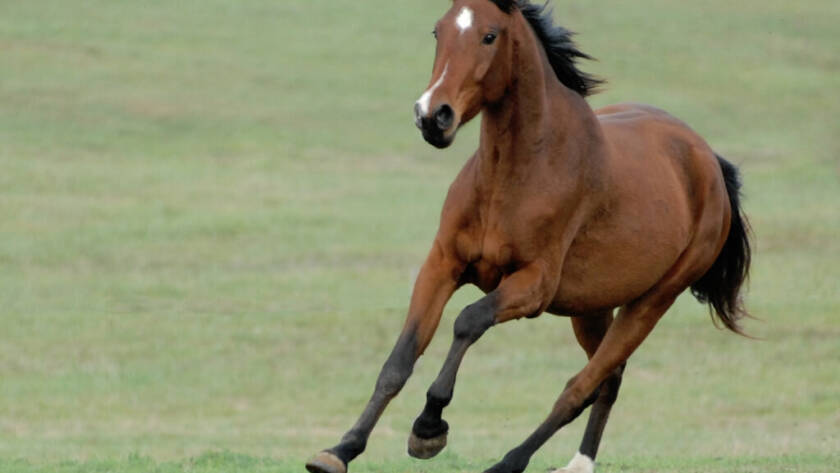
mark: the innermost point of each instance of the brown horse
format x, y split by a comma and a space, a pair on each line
561, 210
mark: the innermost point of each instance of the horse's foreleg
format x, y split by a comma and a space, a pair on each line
633, 324
435, 284
519, 295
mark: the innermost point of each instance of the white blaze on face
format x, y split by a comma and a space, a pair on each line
424, 100
465, 19
579, 464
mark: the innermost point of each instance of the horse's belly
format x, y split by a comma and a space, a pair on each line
582, 290
602, 273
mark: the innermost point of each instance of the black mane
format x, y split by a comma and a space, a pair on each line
557, 41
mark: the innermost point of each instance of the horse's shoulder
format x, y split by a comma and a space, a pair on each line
457, 231
463, 186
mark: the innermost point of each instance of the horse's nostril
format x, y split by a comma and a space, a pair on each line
444, 116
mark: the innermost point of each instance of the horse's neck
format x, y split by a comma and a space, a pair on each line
538, 123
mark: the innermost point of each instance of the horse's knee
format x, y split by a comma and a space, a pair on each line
397, 369
474, 320
392, 379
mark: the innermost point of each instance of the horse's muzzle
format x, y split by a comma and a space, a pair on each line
436, 126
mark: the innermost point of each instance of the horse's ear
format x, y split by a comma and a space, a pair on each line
505, 5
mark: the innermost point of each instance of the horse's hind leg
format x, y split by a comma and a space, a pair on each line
628, 330
590, 330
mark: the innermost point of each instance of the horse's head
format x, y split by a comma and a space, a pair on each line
472, 67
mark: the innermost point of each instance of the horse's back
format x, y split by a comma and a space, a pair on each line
650, 144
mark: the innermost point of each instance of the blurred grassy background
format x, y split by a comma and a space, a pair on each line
211, 214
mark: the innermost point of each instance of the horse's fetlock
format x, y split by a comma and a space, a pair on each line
354, 441
437, 398
428, 426
513, 462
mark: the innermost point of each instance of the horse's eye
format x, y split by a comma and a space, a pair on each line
489, 38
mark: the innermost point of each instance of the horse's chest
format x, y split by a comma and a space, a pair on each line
491, 255
498, 238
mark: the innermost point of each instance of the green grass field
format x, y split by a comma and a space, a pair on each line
211, 214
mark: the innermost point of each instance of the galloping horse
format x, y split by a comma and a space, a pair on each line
560, 210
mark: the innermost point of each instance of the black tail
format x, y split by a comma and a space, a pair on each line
720, 287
